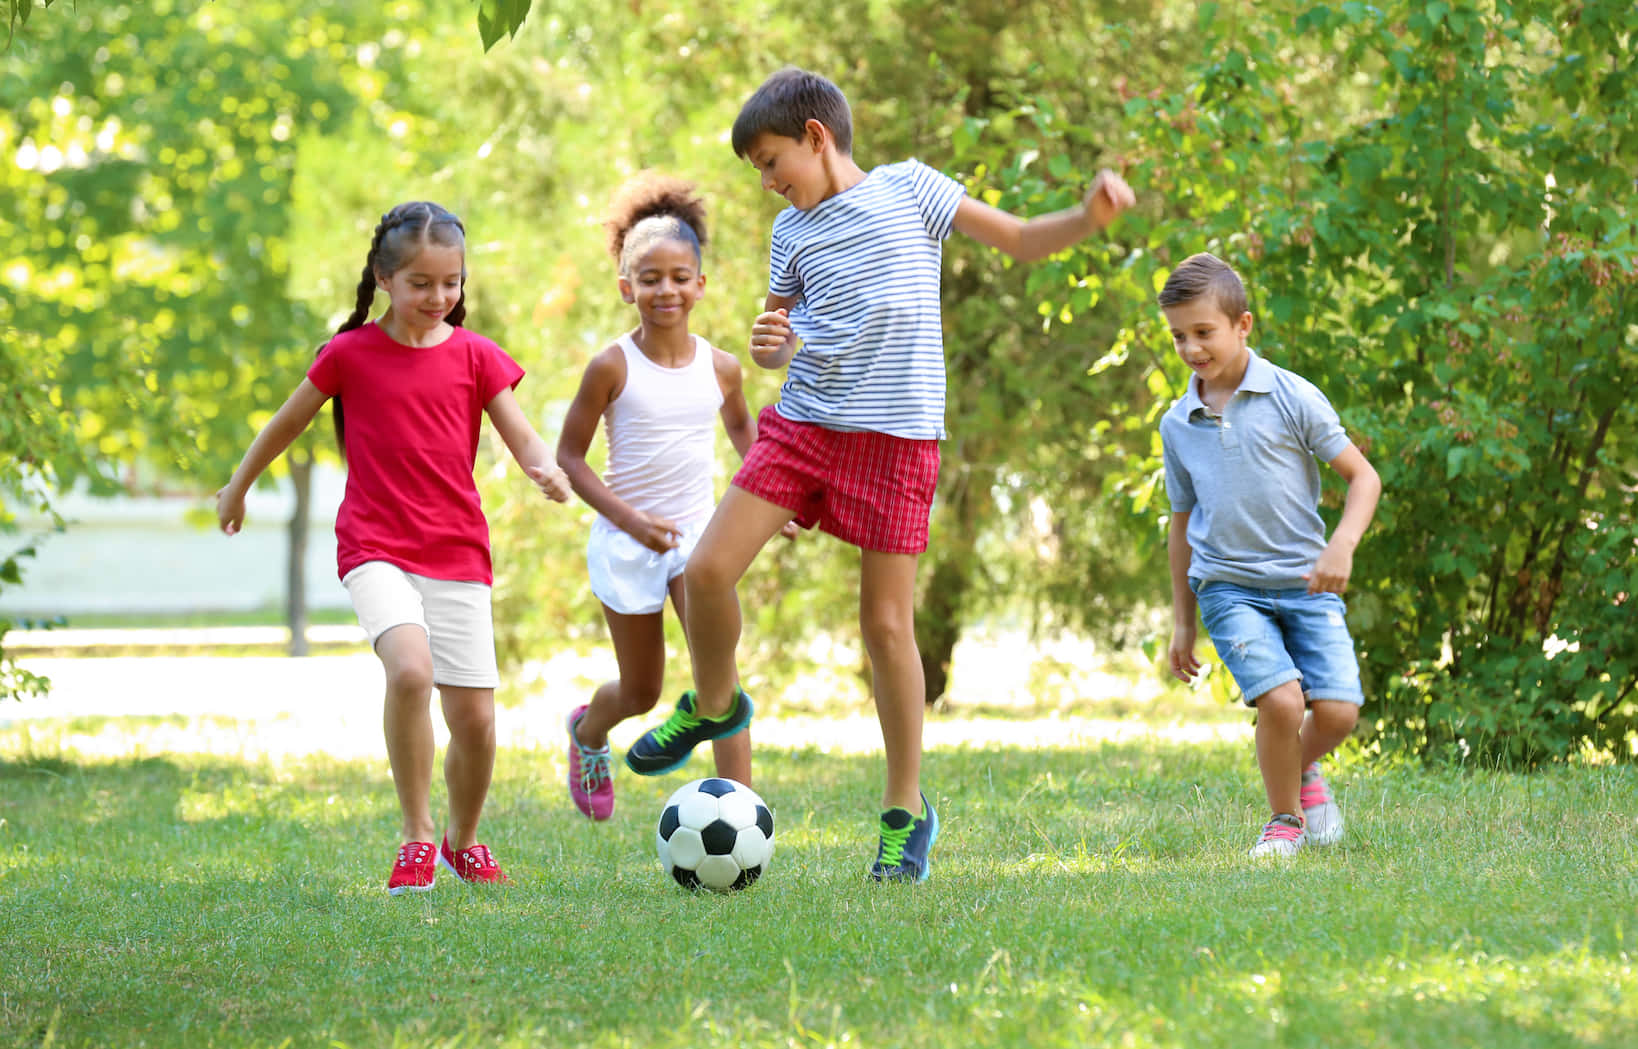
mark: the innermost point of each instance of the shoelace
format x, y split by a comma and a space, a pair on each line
679, 722
594, 767
1314, 793
1279, 830
893, 841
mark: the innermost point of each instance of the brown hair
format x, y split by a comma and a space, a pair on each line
1205, 274
785, 103
399, 237
653, 207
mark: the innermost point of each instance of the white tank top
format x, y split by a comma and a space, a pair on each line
662, 435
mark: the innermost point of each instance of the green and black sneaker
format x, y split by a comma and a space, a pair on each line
906, 842
667, 747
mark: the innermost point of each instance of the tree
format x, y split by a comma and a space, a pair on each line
150, 237
1454, 262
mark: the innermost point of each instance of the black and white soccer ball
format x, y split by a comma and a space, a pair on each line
715, 834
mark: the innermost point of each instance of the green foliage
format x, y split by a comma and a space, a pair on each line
498, 18
1449, 253
17, 14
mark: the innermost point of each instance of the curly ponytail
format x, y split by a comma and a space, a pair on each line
654, 207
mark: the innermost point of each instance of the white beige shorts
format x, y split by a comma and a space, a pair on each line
630, 578
456, 617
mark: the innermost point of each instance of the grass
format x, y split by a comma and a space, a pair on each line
1080, 897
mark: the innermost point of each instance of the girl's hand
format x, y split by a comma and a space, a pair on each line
772, 339
657, 533
551, 480
230, 510
791, 530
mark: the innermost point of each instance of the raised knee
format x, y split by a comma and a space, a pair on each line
639, 698
703, 573
1338, 718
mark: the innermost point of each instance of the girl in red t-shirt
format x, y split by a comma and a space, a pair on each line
412, 543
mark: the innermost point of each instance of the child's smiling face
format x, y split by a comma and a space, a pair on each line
1210, 342
664, 283
793, 168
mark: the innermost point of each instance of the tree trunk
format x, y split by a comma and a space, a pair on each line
941, 614
295, 589
938, 621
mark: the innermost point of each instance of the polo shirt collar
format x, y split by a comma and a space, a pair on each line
1259, 378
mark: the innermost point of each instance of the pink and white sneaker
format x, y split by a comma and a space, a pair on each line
475, 865
415, 869
1282, 836
591, 780
1319, 811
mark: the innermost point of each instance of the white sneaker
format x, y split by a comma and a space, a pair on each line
1282, 836
1321, 814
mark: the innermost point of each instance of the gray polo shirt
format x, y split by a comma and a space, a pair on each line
1249, 480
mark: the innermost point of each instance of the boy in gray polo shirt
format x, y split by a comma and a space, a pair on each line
1247, 544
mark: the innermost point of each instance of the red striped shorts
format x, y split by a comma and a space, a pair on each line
870, 489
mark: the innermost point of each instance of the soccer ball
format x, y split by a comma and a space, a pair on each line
715, 834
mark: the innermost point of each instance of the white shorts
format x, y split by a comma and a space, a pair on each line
456, 617
630, 578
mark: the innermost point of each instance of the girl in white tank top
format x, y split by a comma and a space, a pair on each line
659, 390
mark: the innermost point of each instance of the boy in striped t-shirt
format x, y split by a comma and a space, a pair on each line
852, 444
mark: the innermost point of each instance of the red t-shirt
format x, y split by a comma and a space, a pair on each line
413, 415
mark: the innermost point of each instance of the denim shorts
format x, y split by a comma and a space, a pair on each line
1268, 637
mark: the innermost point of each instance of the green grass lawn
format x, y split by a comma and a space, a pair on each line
1080, 897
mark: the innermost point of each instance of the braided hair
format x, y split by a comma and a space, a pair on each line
652, 208
399, 237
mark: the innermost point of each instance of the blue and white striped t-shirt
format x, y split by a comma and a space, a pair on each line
866, 265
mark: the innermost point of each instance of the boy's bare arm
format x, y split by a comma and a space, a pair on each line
1336, 562
1029, 239
1183, 662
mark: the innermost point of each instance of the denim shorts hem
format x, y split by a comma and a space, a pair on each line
1268, 684
1335, 696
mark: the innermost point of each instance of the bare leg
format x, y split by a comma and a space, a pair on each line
733, 754
1329, 722
406, 722
1279, 745
469, 763
887, 603
742, 525
639, 651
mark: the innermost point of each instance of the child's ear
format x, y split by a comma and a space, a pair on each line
1243, 325
626, 293
816, 134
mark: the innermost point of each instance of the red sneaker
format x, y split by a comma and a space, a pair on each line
475, 866
415, 869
